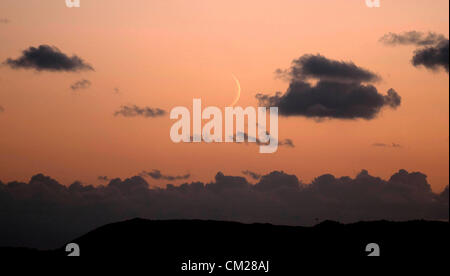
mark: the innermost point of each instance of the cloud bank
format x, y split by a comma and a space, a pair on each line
341, 92
48, 58
136, 111
43, 213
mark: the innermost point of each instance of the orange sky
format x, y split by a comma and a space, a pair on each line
165, 53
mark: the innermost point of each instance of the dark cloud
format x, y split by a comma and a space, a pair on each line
433, 57
48, 58
4, 21
255, 176
444, 196
331, 100
81, 84
135, 111
433, 53
129, 186
43, 213
156, 174
2, 109
278, 181
339, 92
413, 38
320, 67
383, 145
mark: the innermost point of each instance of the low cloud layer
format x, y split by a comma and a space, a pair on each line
156, 174
136, 111
48, 58
81, 84
44, 213
433, 51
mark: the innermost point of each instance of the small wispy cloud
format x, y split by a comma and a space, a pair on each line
81, 84
286, 142
136, 111
412, 38
383, 145
103, 178
253, 175
156, 174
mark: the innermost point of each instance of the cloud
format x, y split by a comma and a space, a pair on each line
286, 142
48, 58
4, 21
253, 175
331, 100
81, 84
156, 174
413, 38
281, 143
341, 91
433, 57
129, 186
135, 111
433, 51
2, 109
319, 67
103, 178
383, 145
50, 213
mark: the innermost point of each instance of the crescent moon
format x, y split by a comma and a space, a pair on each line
238, 84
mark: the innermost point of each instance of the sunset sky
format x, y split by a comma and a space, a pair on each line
162, 54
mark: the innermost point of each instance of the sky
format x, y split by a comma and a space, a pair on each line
163, 54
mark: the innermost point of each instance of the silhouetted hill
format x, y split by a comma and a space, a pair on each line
167, 244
